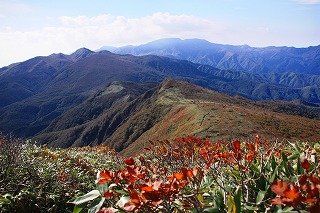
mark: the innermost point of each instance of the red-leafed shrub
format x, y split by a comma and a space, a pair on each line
195, 175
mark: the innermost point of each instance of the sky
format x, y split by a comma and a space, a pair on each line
30, 28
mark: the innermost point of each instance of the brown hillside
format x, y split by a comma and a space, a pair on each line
175, 109
192, 110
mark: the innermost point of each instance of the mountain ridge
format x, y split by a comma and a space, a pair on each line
174, 109
35, 92
232, 57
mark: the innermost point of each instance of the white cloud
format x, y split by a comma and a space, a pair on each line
94, 32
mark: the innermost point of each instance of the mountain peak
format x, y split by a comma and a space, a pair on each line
81, 53
232, 57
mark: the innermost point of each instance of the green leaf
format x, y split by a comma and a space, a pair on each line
218, 199
4, 200
298, 150
273, 162
120, 191
254, 168
86, 198
287, 209
252, 208
260, 196
294, 156
193, 210
96, 205
300, 170
273, 176
103, 188
284, 158
212, 210
284, 164
78, 208
200, 198
237, 200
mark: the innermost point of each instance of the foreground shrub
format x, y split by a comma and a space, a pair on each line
41, 179
194, 175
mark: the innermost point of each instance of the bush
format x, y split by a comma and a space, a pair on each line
194, 175
41, 179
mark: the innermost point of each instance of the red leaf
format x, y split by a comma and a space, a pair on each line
141, 159
276, 201
315, 209
205, 156
108, 194
310, 200
132, 179
131, 170
179, 176
134, 195
146, 188
305, 164
187, 172
292, 194
170, 178
135, 201
156, 203
303, 180
238, 156
102, 181
314, 179
236, 145
203, 151
279, 187
225, 154
249, 157
250, 146
129, 161
105, 177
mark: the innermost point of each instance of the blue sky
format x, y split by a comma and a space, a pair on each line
31, 27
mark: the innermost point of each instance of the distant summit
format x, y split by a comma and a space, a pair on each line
231, 57
81, 53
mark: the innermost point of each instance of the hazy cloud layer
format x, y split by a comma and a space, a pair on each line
72, 33
94, 32
7, 8
308, 1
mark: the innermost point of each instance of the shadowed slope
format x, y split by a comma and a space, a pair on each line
175, 109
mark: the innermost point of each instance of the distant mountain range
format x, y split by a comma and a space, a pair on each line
229, 57
94, 97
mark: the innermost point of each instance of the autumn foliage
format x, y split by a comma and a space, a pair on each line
195, 175
187, 174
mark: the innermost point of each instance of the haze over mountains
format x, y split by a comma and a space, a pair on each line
230, 57
89, 98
